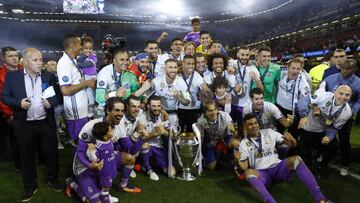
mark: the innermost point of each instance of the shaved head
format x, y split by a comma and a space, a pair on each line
342, 94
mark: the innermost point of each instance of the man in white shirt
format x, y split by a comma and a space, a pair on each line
217, 65
259, 160
172, 89
194, 82
291, 88
157, 126
217, 130
73, 86
266, 112
245, 75
176, 47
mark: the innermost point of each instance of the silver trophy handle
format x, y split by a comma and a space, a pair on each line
199, 157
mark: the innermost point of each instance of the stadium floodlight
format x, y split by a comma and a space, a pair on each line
335, 21
347, 18
17, 11
172, 8
325, 24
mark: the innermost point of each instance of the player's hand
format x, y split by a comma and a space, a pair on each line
165, 115
121, 92
325, 140
97, 166
143, 134
160, 130
25, 103
253, 75
231, 70
146, 85
163, 35
91, 146
237, 88
90, 83
228, 98
46, 103
290, 119
303, 121
289, 138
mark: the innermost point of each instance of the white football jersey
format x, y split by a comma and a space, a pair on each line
106, 78
150, 127
217, 129
264, 156
164, 90
291, 91
197, 80
130, 126
209, 78
75, 105
326, 102
268, 114
242, 76
159, 69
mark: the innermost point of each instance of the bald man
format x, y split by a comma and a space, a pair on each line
330, 83
322, 116
51, 66
33, 119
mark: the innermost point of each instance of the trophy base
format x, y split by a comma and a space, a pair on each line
186, 177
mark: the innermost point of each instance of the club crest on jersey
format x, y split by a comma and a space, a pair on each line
65, 78
90, 190
101, 83
248, 144
127, 86
267, 141
328, 104
269, 75
84, 136
307, 89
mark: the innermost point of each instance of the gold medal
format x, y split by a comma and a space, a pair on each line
328, 122
259, 155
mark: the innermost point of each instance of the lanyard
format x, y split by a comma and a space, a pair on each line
262, 76
294, 96
116, 78
336, 114
77, 67
214, 126
242, 75
152, 69
259, 141
190, 81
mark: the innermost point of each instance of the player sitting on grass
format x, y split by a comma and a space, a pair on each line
259, 160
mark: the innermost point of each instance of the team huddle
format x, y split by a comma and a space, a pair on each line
248, 113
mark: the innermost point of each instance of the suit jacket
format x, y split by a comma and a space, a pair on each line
14, 91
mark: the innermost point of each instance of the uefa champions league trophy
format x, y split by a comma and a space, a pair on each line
188, 151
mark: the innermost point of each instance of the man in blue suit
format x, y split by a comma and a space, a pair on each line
33, 119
